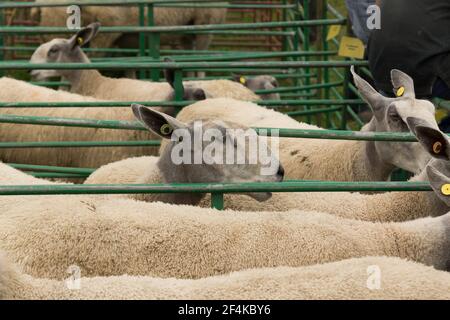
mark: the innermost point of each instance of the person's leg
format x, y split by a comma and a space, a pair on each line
441, 90
357, 10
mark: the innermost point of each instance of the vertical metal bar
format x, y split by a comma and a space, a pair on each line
285, 18
347, 94
2, 41
217, 201
306, 47
178, 84
153, 41
326, 74
142, 73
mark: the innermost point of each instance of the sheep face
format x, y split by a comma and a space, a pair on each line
438, 169
263, 82
212, 152
63, 50
401, 114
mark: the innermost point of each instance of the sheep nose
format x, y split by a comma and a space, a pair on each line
280, 172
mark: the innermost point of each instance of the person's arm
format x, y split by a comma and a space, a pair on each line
378, 3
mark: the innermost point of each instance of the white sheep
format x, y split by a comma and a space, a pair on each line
18, 91
113, 236
261, 82
394, 206
313, 159
128, 16
47, 234
348, 279
166, 169
92, 83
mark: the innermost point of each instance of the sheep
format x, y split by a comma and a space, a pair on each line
399, 279
261, 82
310, 159
210, 242
92, 83
112, 236
18, 91
386, 207
128, 15
166, 169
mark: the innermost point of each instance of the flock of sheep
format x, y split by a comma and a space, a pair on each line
263, 246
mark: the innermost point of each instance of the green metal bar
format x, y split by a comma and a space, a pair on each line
288, 133
442, 103
100, 104
68, 170
178, 85
71, 189
315, 111
142, 44
79, 144
217, 201
306, 47
326, 72
170, 29
153, 42
49, 175
2, 40
72, 122
300, 88
179, 65
121, 104
159, 3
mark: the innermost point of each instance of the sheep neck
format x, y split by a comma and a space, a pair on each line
83, 81
177, 174
168, 174
375, 167
403, 206
430, 238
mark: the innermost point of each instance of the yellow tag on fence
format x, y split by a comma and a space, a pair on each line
334, 31
351, 48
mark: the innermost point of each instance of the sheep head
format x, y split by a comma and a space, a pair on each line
212, 152
63, 50
262, 82
401, 114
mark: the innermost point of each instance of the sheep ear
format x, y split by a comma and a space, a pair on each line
169, 74
440, 183
157, 122
434, 141
240, 78
403, 84
85, 35
375, 100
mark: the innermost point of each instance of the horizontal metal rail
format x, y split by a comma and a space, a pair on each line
302, 186
156, 3
21, 65
79, 144
178, 29
53, 169
121, 104
282, 132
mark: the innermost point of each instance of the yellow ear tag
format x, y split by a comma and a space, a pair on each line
445, 189
437, 147
80, 41
166, 129
400, 92
243, 80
